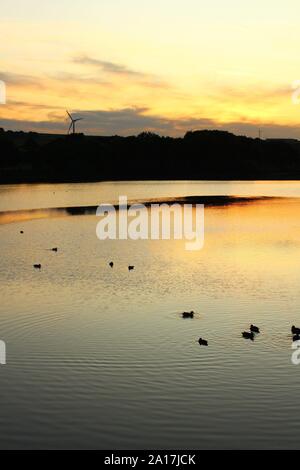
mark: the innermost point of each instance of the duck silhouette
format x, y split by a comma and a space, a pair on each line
37, 266
188, 314
111, 264
254, 329
54, 249
295, 330
202, 342
130, 268
248, 335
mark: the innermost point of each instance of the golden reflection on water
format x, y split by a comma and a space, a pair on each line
253, 246
258, 241
36, 196
20, 216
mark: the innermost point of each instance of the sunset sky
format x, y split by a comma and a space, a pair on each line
163, 65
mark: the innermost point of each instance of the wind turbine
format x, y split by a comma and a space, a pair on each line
73, 123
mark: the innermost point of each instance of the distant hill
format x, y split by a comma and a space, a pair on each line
33, 157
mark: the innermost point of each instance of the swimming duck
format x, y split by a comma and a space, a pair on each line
111, 264
130, 268
254, 328
188, 314
37, 266
55, 249
295, 330
248, 335
202, 342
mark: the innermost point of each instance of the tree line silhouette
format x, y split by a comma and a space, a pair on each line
207, 154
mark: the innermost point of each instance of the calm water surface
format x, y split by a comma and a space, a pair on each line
100, 357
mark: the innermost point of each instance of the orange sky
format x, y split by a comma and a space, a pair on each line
165, 66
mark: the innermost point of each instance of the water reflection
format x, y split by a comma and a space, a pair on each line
41, 196
52, 212
102, 358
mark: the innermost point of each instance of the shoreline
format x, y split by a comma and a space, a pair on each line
19, 215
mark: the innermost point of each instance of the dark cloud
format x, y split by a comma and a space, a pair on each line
33, 126
131, 121
124, 121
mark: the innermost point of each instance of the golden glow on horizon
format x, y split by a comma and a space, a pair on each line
196, 65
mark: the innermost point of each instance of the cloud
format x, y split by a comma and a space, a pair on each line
124, 121
109, 67
127, 121
132, 121
120, 70
16, 79
33, 126
29, 105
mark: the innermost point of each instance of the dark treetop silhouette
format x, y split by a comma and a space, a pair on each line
33, 157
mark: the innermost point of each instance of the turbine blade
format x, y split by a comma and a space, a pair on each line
69, 115
70, 128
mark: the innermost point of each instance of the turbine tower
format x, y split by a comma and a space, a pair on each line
73, 123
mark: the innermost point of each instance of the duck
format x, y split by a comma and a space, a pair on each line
111, 264
188, 314
130, 268
295, 330
254, 329
202, 342
37, 266
248, 335
55, 249
21, 231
